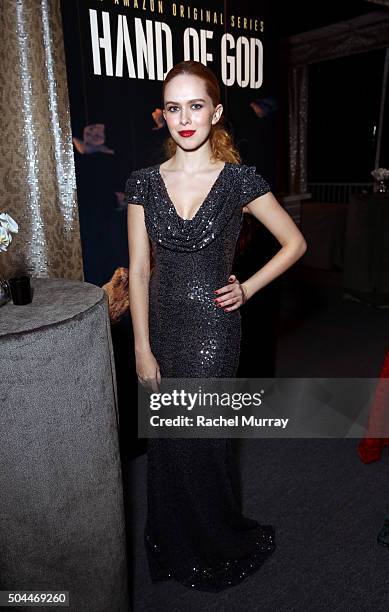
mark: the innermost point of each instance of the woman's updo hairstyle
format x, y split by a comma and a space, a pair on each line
222, 146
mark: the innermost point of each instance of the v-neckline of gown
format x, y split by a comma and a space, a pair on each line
213, 186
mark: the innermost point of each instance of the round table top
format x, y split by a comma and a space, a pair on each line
54, 300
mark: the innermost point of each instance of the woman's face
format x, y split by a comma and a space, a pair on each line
189, 111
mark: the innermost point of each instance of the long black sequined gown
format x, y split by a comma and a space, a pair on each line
195, 532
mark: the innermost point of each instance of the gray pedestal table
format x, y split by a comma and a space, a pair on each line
61, 503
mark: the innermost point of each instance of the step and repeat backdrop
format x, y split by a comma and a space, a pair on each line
117, 54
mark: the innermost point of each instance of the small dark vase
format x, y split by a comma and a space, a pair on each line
5, 294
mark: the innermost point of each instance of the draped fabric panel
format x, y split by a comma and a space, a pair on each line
37, 176
298, 125
358, 35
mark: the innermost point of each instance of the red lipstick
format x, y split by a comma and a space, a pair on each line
186, 133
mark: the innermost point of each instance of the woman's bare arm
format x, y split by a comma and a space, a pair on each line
272, 215
138, 276
147, 367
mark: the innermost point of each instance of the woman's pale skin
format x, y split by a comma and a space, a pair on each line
189, 176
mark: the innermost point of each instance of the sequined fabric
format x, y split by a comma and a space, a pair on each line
37, 175
195, 532
190, 335
218, 575
236, 185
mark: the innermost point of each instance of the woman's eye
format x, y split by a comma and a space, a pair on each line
171, 108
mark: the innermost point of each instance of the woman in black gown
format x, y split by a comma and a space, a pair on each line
185, 224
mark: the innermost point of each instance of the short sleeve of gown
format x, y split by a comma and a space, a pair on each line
253, 185
136, 188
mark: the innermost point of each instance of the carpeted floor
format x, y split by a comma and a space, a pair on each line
327, 507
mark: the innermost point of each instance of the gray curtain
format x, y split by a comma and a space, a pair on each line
338, 40
37, 176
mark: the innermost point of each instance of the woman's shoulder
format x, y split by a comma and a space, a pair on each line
142, 172
137, 185
245, 182
243, 168
248, 173
245, 173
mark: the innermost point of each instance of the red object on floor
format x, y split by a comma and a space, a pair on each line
370, 449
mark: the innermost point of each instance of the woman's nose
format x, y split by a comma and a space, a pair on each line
185, 117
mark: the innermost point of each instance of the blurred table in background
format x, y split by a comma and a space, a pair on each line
366, 251
323, 226
61, 501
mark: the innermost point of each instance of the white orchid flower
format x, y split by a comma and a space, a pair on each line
5, 239
8, 223
380, 174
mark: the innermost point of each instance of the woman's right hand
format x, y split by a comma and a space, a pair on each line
147, 370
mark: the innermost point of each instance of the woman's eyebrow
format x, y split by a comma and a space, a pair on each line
194, 100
